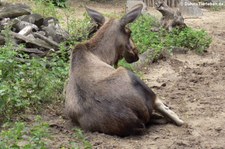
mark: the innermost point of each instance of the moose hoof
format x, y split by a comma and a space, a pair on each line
179, 122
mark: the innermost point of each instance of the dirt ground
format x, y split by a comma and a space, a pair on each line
192, 85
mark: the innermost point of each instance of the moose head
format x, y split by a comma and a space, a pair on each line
115, 36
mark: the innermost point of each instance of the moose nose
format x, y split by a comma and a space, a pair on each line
136, 58
131, 59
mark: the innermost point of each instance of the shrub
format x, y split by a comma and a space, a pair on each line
197, 40
32, 82
59, 3
141, 32
27, 83
82, 142
20, 135
217, 7
161, 41
79, 28
46, 9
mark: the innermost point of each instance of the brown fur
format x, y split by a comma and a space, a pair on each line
102, 98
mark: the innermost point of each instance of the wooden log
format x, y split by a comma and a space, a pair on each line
56, 33
170, 18
19, 25
53, 30
26, 30
33, 50
164, 9
14, 10
47, 40
37, 42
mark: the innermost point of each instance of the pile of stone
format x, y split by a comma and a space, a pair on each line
39, 35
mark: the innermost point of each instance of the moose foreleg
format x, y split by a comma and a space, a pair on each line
166, 112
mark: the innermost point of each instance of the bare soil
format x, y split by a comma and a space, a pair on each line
192, 85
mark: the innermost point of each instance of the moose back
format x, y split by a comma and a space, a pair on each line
102, 98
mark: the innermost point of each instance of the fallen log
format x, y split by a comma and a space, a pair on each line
33, 50
20, 25
26, 30
56, 33
47, 40
52, 29
170, 18
34, 41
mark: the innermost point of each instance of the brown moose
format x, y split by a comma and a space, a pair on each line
102, 98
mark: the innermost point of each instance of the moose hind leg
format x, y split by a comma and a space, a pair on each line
166, 112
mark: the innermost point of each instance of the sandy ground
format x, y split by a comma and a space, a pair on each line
194, 89
192, 85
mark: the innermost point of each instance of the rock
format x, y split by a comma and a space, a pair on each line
50, 21
14, 10
34, 19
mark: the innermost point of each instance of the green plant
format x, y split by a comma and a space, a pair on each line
78, 28
218, 7
20, 135
45, 8
125, 64
28, 83
144, 38
59, 3
83, 142
141, 32
197, 40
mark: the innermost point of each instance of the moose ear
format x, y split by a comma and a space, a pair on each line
96, 16
132, 15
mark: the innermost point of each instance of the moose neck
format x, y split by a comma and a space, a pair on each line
103, 44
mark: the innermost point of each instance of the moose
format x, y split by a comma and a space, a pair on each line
102, 98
